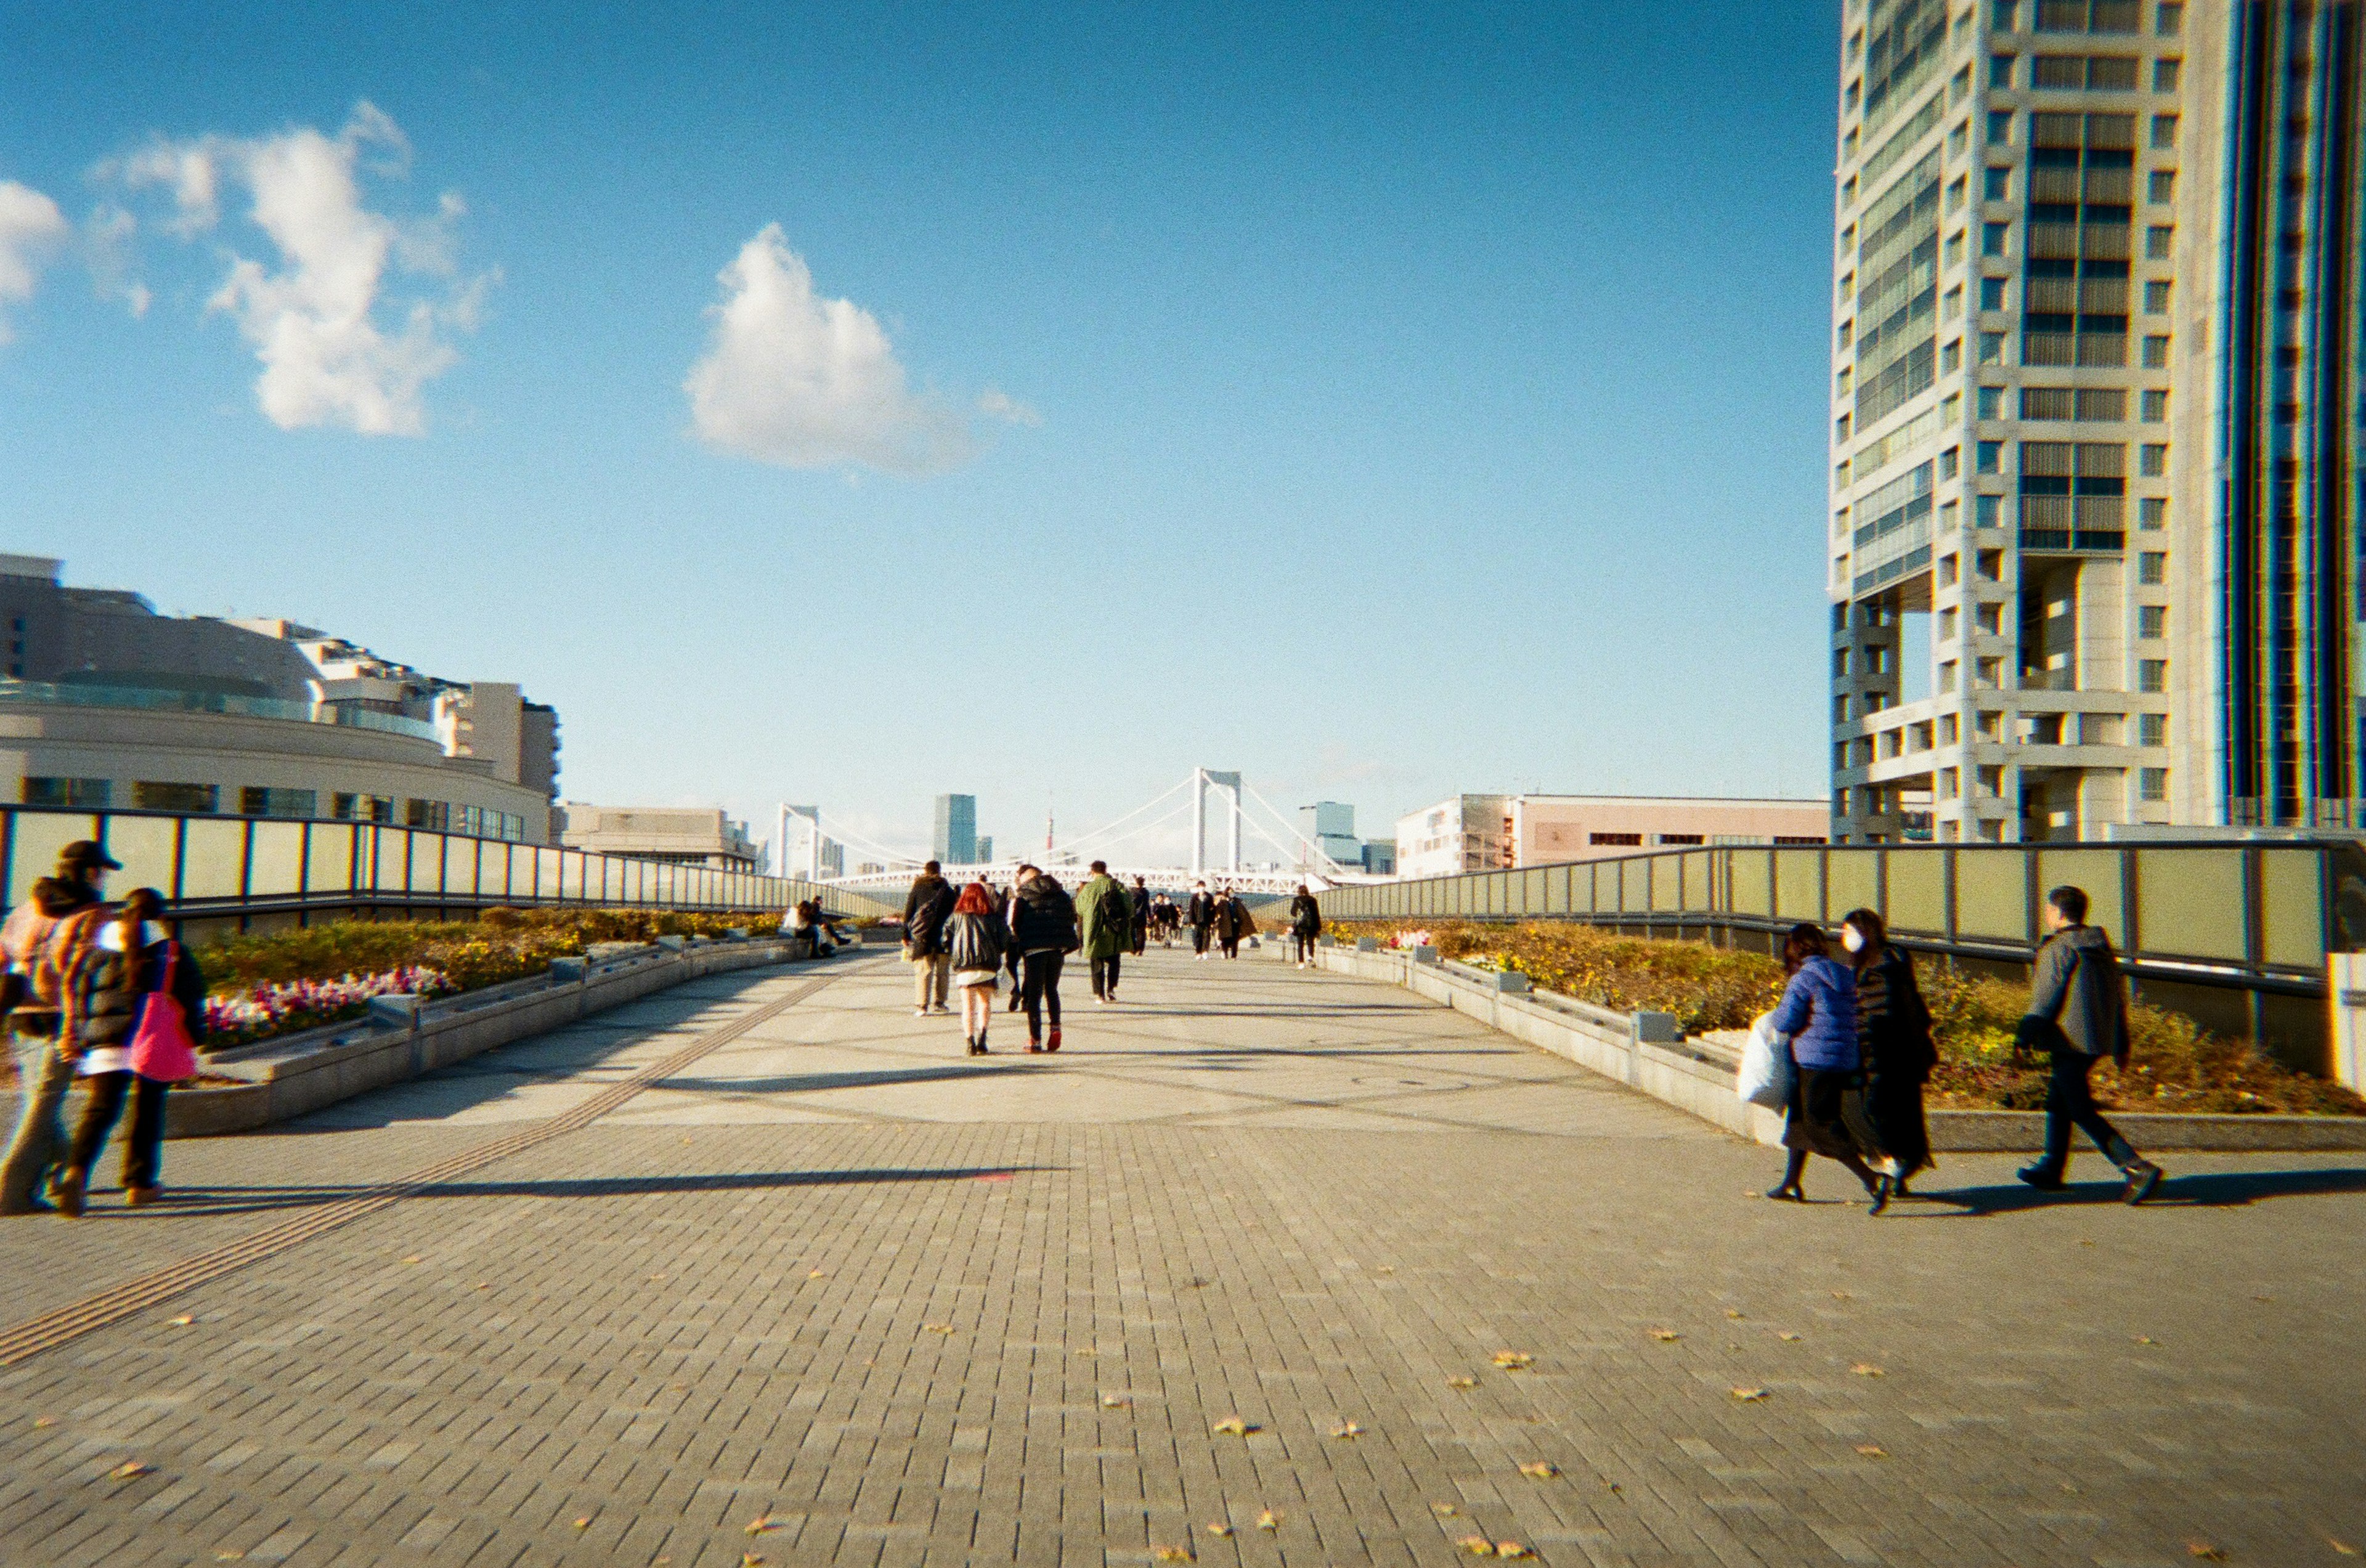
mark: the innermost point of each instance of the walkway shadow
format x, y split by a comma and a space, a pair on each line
2206, 1190
885, 1078
195, 1202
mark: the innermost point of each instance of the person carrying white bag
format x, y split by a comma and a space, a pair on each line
1768, 1072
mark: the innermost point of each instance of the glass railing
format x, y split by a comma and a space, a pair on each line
149, 699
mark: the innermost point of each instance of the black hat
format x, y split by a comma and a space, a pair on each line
83, 854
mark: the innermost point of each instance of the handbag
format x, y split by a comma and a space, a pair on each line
1767, 1071
162, 1049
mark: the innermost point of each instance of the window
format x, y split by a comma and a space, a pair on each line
1841, 381
2001, 71
1950, 357
2168, 19
1951, 462
1991, 403
1994, 238
2047, 402
1846, 287
1993, 348
1992, 293
2152, 675
2164, 75
2157, 297
1991, 456
2155, 407
1985, 508
2152, 512
2152, 620
1847, 334
1958, 192
1954, 303
2160, 238
2164, 130
2112, 74
2001, 14
1996, 185
2160, 187
68, 791
1948, 731
151, 795
1951, 410
1947, 571
1999, 127
2152, 729
2153, 461
2152, 783
2107, 404
1841, 428
2056, 72
1848, 192
1678, 839
362, 808
1961, 87
2152, 567
1947, 675
1990, 619
427, 813
2155, 352
1991, 672
1855, 92
1956, 249
263, 802
1616, 838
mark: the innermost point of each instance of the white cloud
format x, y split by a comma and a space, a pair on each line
32, 232
337, 348
808, 382
998, 404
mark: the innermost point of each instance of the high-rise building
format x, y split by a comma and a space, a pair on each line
2095, 535
985, 849
956, 830
1330, 825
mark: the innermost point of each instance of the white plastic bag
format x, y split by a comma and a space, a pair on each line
1768, 1069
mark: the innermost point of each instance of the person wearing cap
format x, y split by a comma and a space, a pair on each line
58, 908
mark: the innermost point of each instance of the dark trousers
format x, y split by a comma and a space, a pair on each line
2069, 1102
1040, 987
1012, 958
1306, 946
1231, 946
1141, 936
145, 1153
1105, 976
1198, 939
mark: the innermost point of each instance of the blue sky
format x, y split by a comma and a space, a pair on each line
1383, 402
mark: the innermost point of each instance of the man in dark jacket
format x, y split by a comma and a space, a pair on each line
925, 908
1199, 915
2079, 1013
1137, 898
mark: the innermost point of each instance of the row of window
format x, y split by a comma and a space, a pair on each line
255, 800
2034, 729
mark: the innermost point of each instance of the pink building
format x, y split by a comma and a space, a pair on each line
1546, 830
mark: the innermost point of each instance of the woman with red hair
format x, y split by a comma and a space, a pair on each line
974, 938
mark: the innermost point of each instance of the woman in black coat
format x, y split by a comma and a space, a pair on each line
1893, 1031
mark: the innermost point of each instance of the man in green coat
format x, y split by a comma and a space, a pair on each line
1106, 917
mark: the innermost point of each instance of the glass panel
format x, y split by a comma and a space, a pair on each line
329, 860
387, 855
1557, 891
1695, 883
2292, 899
1918, 892
2189, 903
427, 862
275, 864
1851, 880
460, 866
40, 836
545, 873
213, 860
1993, 894
145, 846
1498, 891
1754, 893
1533, 896
1798, 885
2094, 872
1667, 883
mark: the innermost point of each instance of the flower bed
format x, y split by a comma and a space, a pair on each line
2174, 1064
258, 1012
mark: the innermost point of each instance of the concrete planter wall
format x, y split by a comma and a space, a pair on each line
1643, 1051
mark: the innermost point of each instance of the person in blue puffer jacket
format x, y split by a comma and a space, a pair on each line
1827, 1114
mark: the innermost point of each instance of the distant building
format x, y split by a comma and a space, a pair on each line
868, 868
679, 835
985, 849
107, 703
1490, 831
1330, 825
1379, 857
955, 842
833, 858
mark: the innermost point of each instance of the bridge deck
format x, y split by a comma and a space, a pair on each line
913, 1307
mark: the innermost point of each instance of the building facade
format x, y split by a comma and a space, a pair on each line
1462, 832
955, 839
1330, 825
1487, 833
2095, 542
678, 835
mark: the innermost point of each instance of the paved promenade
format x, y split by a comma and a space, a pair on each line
1242, 1257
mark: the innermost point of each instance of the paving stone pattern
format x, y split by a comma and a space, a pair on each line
906, 1306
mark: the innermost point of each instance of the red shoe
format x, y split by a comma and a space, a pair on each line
1055, 1041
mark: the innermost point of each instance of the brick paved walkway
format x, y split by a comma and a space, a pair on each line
908, 1307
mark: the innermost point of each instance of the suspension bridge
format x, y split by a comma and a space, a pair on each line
1128, 844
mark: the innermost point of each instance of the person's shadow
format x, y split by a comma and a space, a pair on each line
2204, 1190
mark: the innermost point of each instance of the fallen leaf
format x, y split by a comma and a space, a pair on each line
763, 1524
752, 1559
1512, 1549
1666, 1336
1868, 1370
1220, 1530
1477, 1545
1749, 1395
938, 1327
1873, 1450
2146, 1339
1268, 1519
1444, 1510
181, 1321
1115, 1402
484, 1285
1514, 1361
1172, 1553
45, 1421
1542, 1470
1842, 1296
656, 1279
1345, 1429
2204, 1551
227, 1556
1462, 1383
1385, 1269
1088, 1351
1787, 1336
128, 1469
817, 1274
1233, 1427
584, 1523
2263, 1297
412, 1259
2342, 1547
1733, 1314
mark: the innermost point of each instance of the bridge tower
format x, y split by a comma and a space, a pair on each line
1203, 780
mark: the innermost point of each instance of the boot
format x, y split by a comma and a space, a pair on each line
1054, 1044
2143, 1177
70, 1192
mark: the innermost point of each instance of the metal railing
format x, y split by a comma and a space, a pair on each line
210, 867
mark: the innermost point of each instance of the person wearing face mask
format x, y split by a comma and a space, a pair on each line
1893, 1037
1826, 1115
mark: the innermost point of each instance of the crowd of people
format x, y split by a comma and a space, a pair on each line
105, 995
1857, 1038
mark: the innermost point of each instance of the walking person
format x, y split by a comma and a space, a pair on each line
1137, 898
118, 980
1201, 918
1043, 927
1894, 1044
44, 1073
975, 939
2079, 1013
925, 909
1305, 925
1826, 1115
1234, 921
1106, 917
1010, 954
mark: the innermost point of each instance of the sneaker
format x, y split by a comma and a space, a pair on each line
920, 1012
141, 1197
2143, 1177
70, 1193
2038, 1176
1054, 1044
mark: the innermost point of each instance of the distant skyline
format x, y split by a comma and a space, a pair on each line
857, 405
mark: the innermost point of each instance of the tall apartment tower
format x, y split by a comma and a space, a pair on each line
955, 840
2096, 507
